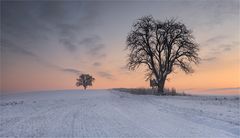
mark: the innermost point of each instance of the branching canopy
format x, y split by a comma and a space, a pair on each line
161, 46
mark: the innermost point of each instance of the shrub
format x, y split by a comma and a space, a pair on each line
148, 91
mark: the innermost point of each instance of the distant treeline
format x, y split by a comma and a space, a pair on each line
149, 91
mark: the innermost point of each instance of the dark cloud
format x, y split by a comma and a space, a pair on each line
97, 64
235, 43
68, 30
54, 11
226, 47
7, 45
60, 15
90, 41
124, 68
64, 22
106, 75
217, 50
93, 46
209, 59
75, 71
96, 50
68, 44
18, 19
216, 39
216, 12
36, 20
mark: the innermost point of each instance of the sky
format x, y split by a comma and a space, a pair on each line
45, 45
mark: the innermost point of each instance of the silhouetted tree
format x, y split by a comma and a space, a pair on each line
161, 46
85, 80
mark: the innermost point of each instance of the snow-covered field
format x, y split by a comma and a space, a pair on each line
106, 113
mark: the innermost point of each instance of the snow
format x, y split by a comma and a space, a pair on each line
108, 113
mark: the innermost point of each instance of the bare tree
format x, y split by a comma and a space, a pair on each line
161, 46
85, 80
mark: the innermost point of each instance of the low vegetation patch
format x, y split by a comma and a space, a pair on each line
148, 91
12, 103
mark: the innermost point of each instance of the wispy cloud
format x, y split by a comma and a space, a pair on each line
33, 21
75, 71
209, 59
124, 68
106, 75
68, 44
215, 50
10, 46
221, 10
93, 46
231, 88
226, 47
97, 64
89, 41
216, 39
53, 21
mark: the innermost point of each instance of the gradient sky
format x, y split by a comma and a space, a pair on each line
46, 45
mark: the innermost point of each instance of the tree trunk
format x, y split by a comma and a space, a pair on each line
161, 84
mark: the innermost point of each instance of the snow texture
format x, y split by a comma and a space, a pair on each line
108, 113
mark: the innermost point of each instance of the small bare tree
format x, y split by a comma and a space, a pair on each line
161, 46
85, 80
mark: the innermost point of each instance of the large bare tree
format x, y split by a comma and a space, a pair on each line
161, 46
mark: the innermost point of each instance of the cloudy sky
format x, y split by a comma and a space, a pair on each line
46, 44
